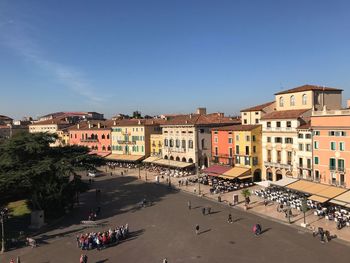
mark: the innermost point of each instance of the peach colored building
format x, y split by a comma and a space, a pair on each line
331, 146
95, 135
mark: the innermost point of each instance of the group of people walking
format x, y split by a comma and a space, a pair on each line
101, 240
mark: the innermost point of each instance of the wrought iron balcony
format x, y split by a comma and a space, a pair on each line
279, 165
126, 142
89, 140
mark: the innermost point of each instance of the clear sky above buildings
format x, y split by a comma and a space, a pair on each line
160, 56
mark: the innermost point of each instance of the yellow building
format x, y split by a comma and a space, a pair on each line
131, 139
241, 146
156, 145
253, 115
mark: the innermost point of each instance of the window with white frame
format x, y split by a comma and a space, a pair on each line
292, 100
304, 99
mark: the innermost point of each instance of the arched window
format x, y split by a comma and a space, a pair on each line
177, 158
103, 136
304, 99
281, 102
177, 142
107, 136
171, 143
171, 157
165, 142
166, 157
190, 160
184, 159
109, 147
103, 148
292, 100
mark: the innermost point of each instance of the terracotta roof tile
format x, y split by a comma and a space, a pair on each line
58, 121
259, 107
238, 128
287, 114
197, 119
84, 125
307, 87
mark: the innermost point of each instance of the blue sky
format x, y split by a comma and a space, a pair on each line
161, 56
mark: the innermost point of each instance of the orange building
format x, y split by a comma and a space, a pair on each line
222, 146
331, 146
96, 135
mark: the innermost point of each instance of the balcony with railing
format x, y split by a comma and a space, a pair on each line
279, 129
332, 168
89, 140
279, 165
126, 142
337, 183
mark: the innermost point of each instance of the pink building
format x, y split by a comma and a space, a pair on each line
331, 146
93, 134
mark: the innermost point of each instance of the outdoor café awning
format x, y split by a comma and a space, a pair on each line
284, 181
318, 198
236, 172
125, 157
216, 170
336, 202
320, 192
300, 186
343, 199
245, 177
332, 192
172, 163
151, 159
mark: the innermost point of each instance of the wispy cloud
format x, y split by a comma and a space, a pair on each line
14, 36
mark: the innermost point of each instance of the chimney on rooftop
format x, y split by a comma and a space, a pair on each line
191, 116
89, 125
221, 114
78, 126
114, 123
202, 111
98, 125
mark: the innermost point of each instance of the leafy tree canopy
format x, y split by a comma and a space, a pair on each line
30, 168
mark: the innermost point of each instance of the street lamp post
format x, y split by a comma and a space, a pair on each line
169, 182
3, 216
199, 184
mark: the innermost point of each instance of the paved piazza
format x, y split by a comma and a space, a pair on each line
166, 229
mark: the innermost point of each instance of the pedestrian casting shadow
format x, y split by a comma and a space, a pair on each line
102, 261
238, 219
205, 231
265, 230
196, 207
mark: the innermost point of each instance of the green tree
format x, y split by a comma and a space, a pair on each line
46, 176
246, 194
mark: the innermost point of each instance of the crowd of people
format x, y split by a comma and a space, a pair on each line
104, 239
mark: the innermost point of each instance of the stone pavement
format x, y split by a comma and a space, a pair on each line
256, 206
166, 229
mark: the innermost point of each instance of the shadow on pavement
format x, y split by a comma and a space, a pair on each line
118, 195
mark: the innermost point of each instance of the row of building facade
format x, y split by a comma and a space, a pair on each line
303, 133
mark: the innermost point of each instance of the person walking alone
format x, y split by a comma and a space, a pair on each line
203, 211
229, 220
189, 205
197, 229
